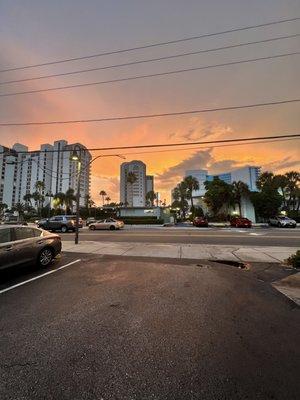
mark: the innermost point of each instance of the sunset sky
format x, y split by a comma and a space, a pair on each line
34, 31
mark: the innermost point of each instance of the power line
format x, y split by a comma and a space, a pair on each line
213, 147
210, 142
185, 39
122, 118
149, 60
131, 78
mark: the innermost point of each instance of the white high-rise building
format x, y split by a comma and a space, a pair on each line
51, 165
133, 195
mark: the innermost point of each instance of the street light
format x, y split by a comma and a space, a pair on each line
77, 157
50, 195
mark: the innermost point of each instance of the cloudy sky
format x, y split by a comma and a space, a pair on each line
36, 31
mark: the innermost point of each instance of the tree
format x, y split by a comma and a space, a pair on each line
38, 196
266, 179
131, 178
103, 194
59, 200
239, 189
19, 207
218, 194
191, 184
266, 202
89, 203
281, 182
3, 206
69, 199
27, 198
150, 197
107, 199
292, 188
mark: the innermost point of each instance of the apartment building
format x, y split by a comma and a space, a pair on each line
134, 194
50, 164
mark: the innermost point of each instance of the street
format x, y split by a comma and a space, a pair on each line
109, 328
217, 236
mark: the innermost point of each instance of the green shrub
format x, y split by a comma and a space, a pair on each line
294, 260
294, 214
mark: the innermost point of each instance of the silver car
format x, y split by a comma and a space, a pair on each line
109, 223
23, 244
282, 222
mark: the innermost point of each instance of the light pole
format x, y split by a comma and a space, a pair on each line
49, 195
77, 156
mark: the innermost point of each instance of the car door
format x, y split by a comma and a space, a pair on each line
100, 224
25, 246
6, 248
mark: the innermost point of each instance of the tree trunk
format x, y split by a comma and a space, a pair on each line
240, 208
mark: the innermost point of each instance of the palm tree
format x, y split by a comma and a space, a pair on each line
107, 199
293, 181
59, 200
239, 189
131, 178
69, 198
150, 197
3, 206
89, 203
191, 183
103, 194
27, 198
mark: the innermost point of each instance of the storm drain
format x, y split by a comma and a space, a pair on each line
236, 264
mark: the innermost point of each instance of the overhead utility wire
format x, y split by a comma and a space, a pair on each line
149, 60
185, 39
131, 78
122, 118
210, 142
212, 147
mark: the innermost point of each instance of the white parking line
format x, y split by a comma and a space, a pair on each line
39, 276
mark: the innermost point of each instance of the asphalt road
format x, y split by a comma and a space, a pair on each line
109, 328
216, 236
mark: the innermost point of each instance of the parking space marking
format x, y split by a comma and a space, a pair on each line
39, 276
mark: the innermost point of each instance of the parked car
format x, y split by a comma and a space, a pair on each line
13, 220
282, 222
63, 223
108, 223
22, 245
200, 222
239, 222
90, 220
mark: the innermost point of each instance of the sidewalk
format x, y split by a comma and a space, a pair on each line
290, 287
186, 251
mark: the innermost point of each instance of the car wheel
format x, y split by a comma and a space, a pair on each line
64, 229
45, 257
112, 228
92, 227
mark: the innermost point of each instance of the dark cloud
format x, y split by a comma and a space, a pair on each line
173, 175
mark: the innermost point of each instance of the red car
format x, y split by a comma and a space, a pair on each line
239, 222
200, 222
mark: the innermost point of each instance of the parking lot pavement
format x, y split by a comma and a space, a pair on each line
112, 328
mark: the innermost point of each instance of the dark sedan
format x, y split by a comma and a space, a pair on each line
23, 245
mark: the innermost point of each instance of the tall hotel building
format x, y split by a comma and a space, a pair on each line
51, 165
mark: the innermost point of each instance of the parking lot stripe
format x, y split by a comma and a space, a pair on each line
39, 276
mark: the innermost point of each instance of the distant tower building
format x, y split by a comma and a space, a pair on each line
149, 183
133, 195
